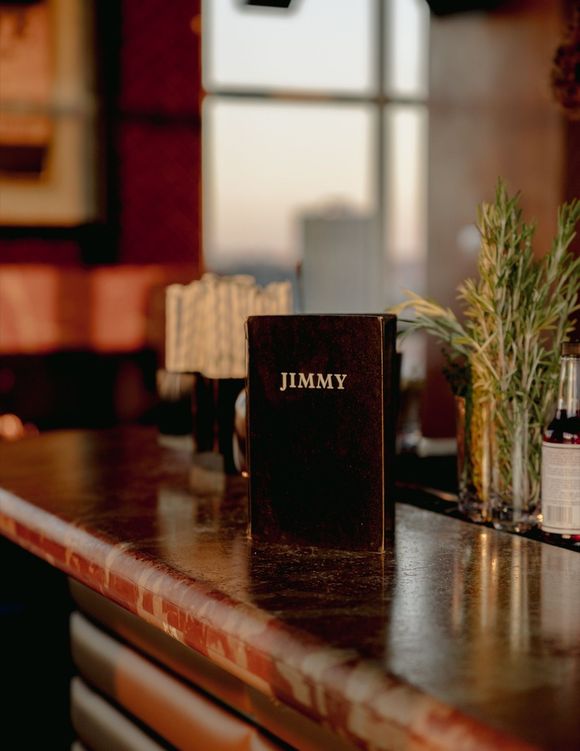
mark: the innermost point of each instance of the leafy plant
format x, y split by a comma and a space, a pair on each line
517, 313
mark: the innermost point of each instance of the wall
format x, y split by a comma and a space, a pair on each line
492, 113
98, 288
149, 79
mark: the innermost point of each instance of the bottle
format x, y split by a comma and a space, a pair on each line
561, 451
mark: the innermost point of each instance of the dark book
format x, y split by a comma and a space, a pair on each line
321, 429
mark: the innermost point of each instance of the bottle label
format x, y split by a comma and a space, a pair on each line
561, 488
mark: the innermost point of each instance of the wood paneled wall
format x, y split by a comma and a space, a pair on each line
148, 63
492, 113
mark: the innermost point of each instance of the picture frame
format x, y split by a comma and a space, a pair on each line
48, 114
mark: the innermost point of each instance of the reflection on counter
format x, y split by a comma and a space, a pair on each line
561, 599
191, 521
501, 583
500, 616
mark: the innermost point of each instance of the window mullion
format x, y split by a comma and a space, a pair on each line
380, 156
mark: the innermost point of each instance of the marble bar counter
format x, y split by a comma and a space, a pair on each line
460, 637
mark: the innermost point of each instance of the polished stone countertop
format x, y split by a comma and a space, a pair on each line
459, 637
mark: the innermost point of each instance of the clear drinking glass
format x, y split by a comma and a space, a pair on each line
475, 457
498, 463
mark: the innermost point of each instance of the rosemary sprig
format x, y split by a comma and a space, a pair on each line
517, 313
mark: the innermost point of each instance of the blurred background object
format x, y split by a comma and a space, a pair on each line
82, 292
205, 322
338, 254
48, 146
566, 68
13, 429
175, 415
205, 336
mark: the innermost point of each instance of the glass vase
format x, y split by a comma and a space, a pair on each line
498, 463
475, 454
515, 495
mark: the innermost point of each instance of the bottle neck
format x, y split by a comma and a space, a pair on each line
569, 386
572, 386
562, 391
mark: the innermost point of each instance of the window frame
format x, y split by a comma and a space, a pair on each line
378, 102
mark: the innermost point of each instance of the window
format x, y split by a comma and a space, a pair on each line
315, 136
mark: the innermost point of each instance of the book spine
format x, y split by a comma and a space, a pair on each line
248, 328
390, 366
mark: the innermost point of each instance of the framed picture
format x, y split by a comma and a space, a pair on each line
48, 109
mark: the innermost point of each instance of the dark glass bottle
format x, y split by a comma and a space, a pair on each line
561, 451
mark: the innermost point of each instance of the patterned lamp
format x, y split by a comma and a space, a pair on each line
205, 335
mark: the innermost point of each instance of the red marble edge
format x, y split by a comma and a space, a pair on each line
433, 724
